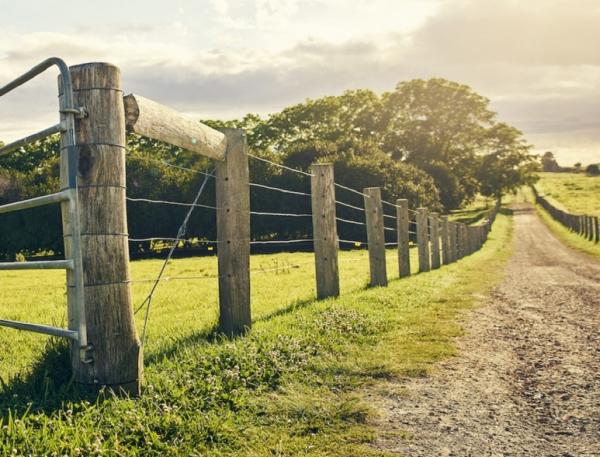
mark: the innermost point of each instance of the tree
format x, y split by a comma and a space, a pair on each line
549, 163
439, 126
593, 169
507, 163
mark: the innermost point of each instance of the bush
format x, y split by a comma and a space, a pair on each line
593, 169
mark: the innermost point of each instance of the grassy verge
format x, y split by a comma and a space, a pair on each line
287, 389
571, 239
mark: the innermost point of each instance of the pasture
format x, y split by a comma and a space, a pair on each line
575, 192
291, 387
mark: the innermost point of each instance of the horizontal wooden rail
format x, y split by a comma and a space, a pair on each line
41, 265
40, 328
153, 120
35, 202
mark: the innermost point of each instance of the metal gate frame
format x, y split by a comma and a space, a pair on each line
69, 195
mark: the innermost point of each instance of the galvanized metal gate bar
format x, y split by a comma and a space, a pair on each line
70, 195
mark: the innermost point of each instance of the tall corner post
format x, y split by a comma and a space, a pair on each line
325, 230
375, 236
423, 240
233, 235
434, 224
115, 354
402, 220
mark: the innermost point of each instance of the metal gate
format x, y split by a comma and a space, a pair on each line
68, 198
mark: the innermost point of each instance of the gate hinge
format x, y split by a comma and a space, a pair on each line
79, 113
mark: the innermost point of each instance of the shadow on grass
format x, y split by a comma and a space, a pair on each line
46, 387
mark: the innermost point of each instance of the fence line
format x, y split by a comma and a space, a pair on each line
585, 225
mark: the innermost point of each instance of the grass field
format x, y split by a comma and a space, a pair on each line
575, 192
288, 388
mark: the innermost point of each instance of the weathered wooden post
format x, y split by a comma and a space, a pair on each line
423, 240
451, 241
463, 247
460, 249
233, 235
375, 236
402, 220
445, 240
434, 223
325, 230
116, 354
597, 228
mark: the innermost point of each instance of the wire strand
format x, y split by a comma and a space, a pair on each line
166, 202
353, 242
279, 189
179, 167
348, 205
348, 221
259, 213
349, 189
303, 240
279, 165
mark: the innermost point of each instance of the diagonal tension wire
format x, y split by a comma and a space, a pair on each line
180, 233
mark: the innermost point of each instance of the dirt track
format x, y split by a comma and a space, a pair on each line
527, 381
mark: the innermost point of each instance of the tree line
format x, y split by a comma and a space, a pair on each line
435, 142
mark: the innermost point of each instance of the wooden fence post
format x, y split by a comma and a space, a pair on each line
423, 240
451, 241
325, 230
597, 228
462, 245
402, 220
445, 240
434, 224
375, 236
116, 350
233, 235
458, 239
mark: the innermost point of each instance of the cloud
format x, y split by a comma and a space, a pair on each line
536, 32
536, 60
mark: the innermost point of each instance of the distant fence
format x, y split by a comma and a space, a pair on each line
585, 225
113, 350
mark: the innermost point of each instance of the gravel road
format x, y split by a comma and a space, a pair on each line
527, 380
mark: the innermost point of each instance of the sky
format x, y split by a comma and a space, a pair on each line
538, 61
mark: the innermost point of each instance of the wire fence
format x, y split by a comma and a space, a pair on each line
352, 226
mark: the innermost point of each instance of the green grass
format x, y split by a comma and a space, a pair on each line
473, 212
575, 192
289, 388
568, 237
